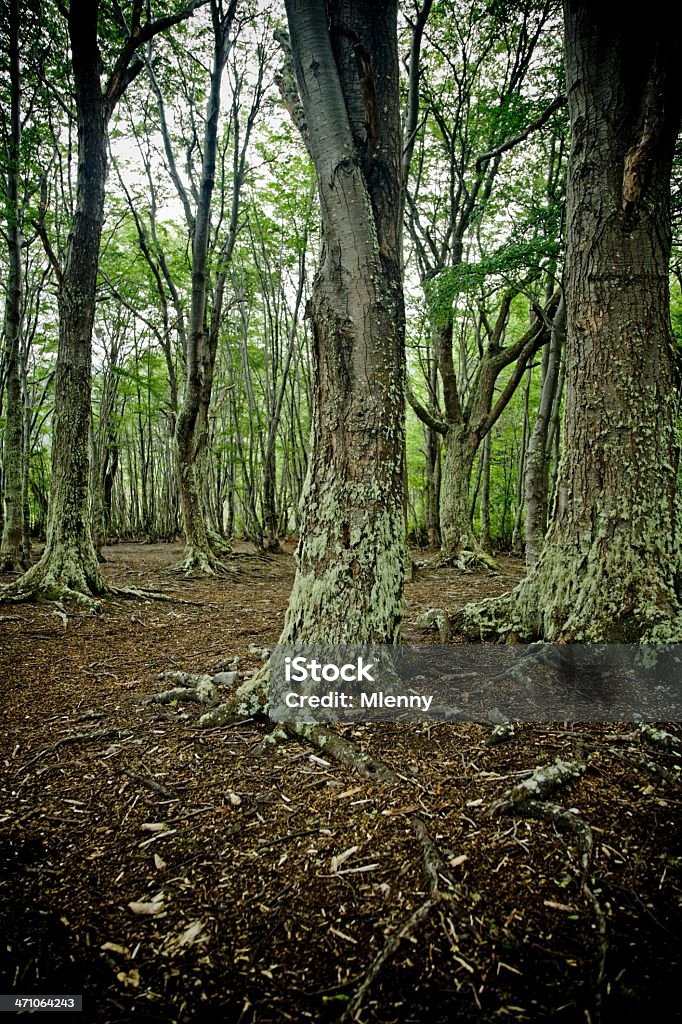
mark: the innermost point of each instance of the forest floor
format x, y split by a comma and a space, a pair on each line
224, 844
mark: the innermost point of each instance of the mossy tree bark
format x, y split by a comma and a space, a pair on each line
69, 561
610, 569
351, 556
11, 552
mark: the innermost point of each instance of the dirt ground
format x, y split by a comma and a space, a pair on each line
174, 874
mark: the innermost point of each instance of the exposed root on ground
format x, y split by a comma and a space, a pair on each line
468, 560
660, 738
12, 593
200, 561
251, 699
528, 799
135, 593
56, 593
645, 764
191, 688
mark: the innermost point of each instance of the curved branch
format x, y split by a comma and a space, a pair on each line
426, 415
532, 127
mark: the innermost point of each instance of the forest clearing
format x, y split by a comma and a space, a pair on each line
340, 511
236, 838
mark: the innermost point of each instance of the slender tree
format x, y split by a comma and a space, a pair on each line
536, 477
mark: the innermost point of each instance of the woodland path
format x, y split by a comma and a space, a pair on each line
225, 844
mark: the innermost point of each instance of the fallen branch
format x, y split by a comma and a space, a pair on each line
152, 785
83, 737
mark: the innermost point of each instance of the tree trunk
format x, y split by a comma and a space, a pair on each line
69, 563
537, 456
457, 535
486, 541
191, 423
432, 498
11, 555
610, 569
351, 555
433, 466
519, 493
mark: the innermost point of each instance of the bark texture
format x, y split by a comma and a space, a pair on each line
11, 553
536, 480
192, 423
610, 569
69, 561
351, 557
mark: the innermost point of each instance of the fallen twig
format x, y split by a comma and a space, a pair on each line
83, 737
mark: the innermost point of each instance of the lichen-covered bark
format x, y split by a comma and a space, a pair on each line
11, 555
198, 554
610, 569
351, 556
457, 534
69, 560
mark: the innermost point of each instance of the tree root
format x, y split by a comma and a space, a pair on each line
439, 619
468, 560
539, 785
135, 593
527, 799
646, 765
192, 688
199, 561
388, 951
660, 738
12, 594
57, 593
500, 734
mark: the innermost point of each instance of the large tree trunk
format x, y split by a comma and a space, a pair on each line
11, 557
69, 563
611, 563
351, 556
